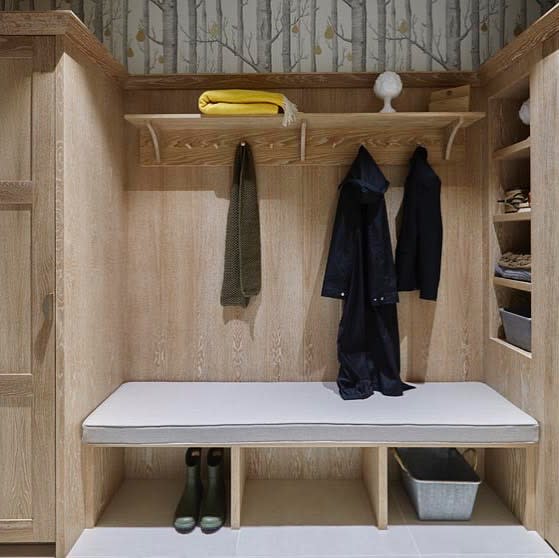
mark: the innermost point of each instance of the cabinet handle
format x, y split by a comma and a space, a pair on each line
48, 303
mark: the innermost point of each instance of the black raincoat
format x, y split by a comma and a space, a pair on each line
360, 270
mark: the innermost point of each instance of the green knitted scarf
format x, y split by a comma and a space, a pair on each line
242, 269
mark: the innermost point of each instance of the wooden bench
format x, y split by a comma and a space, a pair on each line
248, 415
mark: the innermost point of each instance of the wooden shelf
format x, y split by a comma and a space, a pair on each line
512, 284
513, 217
190, 139
520, 150
392, 121
514, 348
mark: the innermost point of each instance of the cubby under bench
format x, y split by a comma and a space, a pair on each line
245, 416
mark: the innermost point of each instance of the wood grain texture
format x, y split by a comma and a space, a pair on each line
375, 477
306, 463
26, 281
43, 285
513, 217
63, 23
306, 502
16, 466
16, 192
544, 90
532, 38
402, 120
90, 240
15, 118
330, 139
333, 147
315, 80
518, 150
102, 476
15, 291
16, 47
238, 480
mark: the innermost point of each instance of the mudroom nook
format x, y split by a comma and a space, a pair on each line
116, 354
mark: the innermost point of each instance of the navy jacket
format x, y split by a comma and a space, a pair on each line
360, 270
420, 242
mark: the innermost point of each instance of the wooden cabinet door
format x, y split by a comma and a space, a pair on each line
27, 379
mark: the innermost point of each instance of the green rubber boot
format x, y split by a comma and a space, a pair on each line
188, 508
212, 512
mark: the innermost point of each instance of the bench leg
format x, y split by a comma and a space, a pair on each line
375, 477
531, 472
238, 477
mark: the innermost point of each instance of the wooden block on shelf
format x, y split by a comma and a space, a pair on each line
450, 100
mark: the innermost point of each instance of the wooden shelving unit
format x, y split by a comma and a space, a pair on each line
172, 139
328, 120
512, 284
513, 217
519, 150
509, 151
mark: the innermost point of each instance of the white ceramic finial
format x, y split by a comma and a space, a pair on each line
524, 112
387, 87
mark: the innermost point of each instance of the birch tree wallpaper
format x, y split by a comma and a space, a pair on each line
169, 36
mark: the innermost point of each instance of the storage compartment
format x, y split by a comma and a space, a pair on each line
505, 107
517, 324
440, 483
299, 486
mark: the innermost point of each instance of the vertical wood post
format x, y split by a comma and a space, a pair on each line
238, 477
375, 477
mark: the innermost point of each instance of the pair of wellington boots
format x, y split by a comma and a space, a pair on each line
197, 505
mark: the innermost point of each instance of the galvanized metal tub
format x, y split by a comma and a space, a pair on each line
440, 483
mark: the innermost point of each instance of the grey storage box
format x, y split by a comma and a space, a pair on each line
517, 324
440, 483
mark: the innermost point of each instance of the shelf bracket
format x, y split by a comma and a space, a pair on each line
449, 133
155, 141
303, 140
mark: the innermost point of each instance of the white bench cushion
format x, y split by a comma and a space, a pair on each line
256, 412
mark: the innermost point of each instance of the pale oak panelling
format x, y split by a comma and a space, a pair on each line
15, 291
90, 239
15, 118
16, 466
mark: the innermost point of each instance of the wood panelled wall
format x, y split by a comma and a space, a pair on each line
177, 329
90, 244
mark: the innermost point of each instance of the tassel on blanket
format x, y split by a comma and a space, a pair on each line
235, 102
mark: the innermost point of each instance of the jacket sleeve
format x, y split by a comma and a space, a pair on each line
340, 256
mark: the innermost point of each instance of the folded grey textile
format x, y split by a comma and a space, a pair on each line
515, 274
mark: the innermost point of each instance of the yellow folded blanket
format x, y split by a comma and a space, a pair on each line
233, 102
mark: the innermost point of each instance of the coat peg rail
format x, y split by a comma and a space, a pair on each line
315, 139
